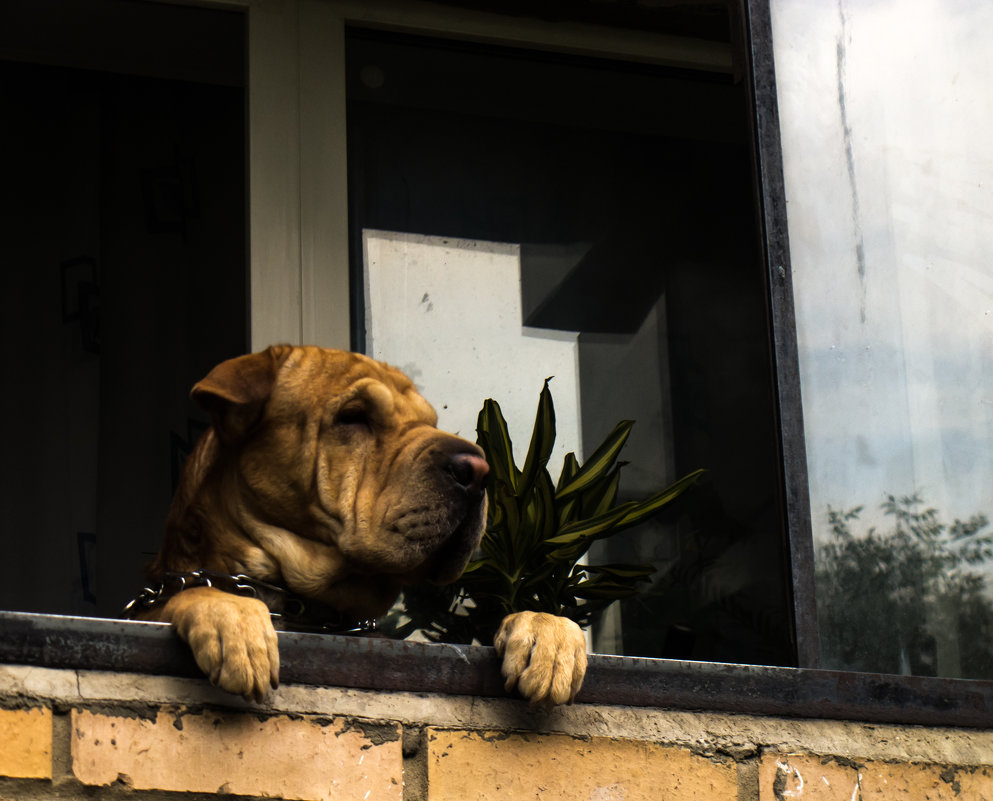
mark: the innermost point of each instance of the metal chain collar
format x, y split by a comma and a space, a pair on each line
287, 609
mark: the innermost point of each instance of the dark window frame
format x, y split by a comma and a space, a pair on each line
760, 79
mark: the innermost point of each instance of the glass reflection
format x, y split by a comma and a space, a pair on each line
885, 114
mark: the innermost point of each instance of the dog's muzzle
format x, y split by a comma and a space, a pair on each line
467, 469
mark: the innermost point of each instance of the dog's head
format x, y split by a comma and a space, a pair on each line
336, 450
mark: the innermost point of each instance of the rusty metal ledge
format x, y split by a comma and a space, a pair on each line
379, 664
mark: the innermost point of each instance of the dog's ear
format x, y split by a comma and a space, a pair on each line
235, 392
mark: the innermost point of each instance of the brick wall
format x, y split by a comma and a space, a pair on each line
98, 735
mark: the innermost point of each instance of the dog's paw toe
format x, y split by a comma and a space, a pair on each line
544, 656
233, 642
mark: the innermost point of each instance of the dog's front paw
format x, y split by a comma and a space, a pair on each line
231, 637
543, 655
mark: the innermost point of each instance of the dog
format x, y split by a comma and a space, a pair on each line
324, 484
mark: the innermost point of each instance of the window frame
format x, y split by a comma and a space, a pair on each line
298, 253
760, 81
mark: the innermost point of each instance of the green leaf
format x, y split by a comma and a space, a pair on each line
623, 516
591, 527
570, 466
589, 590
600, 462
494, 438
650, 506
620, 571
542, 440
569, 510
602, 496
506, 511
546, 491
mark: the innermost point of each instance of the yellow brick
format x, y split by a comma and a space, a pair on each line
973, 784
886, 781
478, 766
785, 776
26, 743
280, 756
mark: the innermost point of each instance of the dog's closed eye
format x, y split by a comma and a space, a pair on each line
354, 414
370, 406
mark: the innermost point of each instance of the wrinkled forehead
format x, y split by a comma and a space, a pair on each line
387, 400
337, 378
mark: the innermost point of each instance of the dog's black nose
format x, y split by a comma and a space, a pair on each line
468, 470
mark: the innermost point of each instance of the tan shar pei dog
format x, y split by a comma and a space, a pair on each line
321, 488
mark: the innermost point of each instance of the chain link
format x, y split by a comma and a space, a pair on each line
293, 610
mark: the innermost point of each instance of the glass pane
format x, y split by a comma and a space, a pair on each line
519, 215
123, 206
885, 111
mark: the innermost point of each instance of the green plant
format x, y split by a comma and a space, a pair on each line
537, 533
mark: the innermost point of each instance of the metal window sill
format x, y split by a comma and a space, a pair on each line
373, 663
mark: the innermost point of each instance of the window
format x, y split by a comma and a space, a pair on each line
890, 257
518, 215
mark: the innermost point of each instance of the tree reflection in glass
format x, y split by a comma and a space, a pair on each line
910, 599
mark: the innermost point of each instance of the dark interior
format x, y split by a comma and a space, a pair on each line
123, 208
